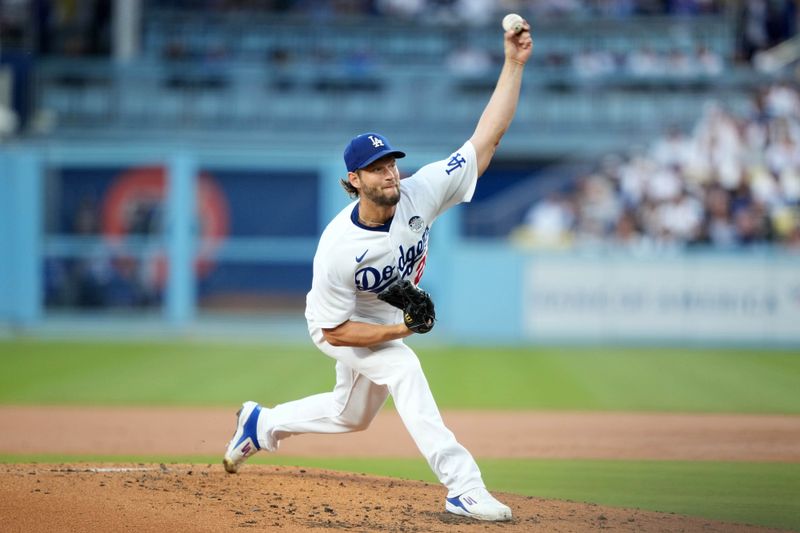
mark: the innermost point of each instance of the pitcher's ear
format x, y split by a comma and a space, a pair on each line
347, 185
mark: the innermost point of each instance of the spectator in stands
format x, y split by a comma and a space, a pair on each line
467, 61
598, 206
644, 62
717, 228
673, 149
627, 232
709, 62
680, 218
679, 64
763, 24
550, 222
591, 63
782, 100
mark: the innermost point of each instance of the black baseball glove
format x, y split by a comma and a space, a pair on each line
418, 312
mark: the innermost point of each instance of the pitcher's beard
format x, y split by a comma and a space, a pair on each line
378, 196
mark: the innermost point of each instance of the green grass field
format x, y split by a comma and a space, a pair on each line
207, 374
628, 379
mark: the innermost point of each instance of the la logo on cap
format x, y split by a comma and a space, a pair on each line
366, 148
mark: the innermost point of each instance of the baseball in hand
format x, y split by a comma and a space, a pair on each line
512, 21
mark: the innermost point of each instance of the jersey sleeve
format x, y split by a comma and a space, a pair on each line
332, 299
447, 182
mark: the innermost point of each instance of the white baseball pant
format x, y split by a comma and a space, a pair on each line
364, 379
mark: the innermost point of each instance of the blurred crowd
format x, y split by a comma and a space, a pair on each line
471, 10
598, 63
84, 28
733, 181
646, 62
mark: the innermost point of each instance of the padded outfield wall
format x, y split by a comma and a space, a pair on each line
164, 236
617, 297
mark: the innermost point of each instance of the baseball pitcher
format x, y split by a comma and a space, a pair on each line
365, 300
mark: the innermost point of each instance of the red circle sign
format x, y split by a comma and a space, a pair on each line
143, 190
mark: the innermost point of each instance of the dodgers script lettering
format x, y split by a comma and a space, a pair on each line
370, 278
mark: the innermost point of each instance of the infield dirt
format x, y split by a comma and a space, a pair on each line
151, 498
93, 498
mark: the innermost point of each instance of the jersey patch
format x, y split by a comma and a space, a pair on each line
416, 223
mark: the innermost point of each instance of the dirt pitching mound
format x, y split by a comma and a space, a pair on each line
150, 498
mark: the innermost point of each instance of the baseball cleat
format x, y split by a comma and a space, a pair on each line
244, 442
478, 504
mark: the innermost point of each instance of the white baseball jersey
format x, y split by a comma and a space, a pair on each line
354, 262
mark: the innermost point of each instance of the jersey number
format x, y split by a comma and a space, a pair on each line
420, 269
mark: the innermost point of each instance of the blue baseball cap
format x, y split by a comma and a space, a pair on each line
366, 148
